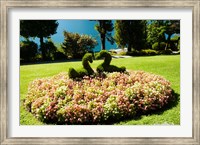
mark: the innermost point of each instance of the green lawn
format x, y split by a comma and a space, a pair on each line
166, 66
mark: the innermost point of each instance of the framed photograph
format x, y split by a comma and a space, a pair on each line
100, 72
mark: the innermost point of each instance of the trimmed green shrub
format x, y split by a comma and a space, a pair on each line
97, 55
73, 73
107, 57
85, 71
105, 66
110, 68
156, 47
87, 58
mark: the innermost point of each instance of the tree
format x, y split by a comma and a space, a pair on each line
130, 33
28, 50
70, 45
156, 32
172, 27
50, 49
38, 28
105, 28
157, 29
77, 45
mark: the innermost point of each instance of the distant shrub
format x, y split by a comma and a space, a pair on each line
144, 52
148, 52
156, 47
113, 52
166, 52
78, 55
38, 57
59, 56
134, 53
122, 53
28, 51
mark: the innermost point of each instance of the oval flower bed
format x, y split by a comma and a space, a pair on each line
96, 100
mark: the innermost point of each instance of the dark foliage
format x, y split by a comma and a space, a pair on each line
38, 28
59, 56
130, 34
28, 51
166, 52
50, 49
144, 52
159, 46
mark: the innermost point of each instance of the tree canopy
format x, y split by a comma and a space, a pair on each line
130, 33
136, 35
28, 50
38, 28
76, 45
157, 30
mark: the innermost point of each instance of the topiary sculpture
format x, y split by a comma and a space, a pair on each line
105, 66
85, 71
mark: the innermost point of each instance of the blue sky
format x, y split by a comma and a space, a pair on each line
81, 27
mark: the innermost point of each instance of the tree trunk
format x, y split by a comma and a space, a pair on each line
42, 48
102, 34
168, 40
158, 45
103, 42
129, 48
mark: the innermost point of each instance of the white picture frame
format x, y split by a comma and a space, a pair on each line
6, 5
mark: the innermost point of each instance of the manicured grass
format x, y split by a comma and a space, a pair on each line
166, 66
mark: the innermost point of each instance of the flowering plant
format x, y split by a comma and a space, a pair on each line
97, 99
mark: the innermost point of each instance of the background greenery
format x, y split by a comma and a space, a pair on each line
139, 37
166, 66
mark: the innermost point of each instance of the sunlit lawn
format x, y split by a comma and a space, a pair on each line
166, 66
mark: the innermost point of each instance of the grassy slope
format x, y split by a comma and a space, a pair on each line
166, 66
